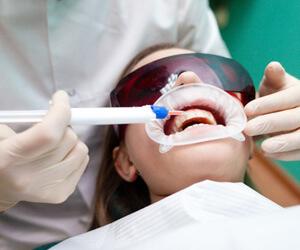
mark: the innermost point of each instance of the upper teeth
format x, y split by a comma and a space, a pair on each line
190, 114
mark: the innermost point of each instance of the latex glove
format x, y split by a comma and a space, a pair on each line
277, 114
43, 163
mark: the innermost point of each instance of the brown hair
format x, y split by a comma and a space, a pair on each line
114, 197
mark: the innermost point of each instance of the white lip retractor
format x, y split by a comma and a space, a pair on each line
199, 95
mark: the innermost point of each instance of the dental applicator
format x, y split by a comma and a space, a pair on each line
93, 116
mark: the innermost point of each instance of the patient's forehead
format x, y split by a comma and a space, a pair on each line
160, 54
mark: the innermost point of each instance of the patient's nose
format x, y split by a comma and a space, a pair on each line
186, 78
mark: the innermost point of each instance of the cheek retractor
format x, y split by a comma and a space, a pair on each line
200, 98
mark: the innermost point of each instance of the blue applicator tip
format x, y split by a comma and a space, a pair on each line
160, 111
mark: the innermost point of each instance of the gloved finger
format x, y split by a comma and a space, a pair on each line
46, 135
293, 155
70, 183
6, 131
28, 168
69, 164
274, 79
66, 145
282, 143
285, 99
68, 142
60, 189
59, 111
58, 175
286, 120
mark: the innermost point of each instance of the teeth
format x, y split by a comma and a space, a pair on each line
193, 115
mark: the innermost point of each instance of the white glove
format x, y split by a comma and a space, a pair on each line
43, 163
277, 114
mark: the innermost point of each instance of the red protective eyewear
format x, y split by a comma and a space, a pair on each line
146, 84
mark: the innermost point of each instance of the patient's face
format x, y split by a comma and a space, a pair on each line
182, 166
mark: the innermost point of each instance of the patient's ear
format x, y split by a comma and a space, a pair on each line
123, 165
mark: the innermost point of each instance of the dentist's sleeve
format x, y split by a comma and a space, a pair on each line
198, 28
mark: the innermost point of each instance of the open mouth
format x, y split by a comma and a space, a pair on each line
194, 116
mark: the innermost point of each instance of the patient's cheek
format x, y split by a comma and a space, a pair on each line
138, 140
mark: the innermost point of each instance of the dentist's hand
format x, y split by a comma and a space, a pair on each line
43, 163
277, 114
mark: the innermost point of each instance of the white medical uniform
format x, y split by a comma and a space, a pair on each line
81, 47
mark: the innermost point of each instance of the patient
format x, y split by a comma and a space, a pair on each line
134, 173
190, 196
